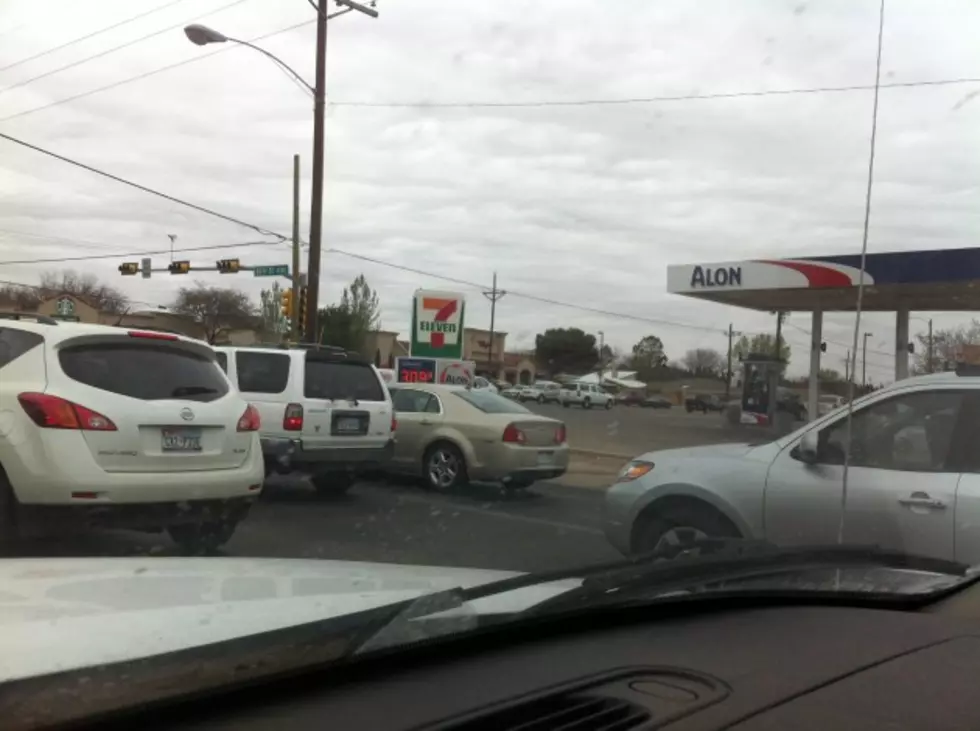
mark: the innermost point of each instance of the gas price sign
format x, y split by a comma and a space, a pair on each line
416, 370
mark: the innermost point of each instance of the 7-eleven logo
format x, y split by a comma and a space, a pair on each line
434, 320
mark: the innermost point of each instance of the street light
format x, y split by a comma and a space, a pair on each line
202, 35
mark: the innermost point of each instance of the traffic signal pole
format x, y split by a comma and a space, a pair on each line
296, 329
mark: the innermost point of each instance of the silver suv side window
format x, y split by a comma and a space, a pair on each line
910, 432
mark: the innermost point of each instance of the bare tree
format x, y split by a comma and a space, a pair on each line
947, 346
215, 309
704, 362
14, 297
88, 286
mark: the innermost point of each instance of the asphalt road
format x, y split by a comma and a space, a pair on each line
553, 525
548, 527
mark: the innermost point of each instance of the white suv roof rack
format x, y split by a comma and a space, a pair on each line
40, 319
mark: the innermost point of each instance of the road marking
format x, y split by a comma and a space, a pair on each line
452, 506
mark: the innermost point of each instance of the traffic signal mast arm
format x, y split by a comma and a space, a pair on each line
222, 266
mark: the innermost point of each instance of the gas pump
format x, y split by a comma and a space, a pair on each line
760, 384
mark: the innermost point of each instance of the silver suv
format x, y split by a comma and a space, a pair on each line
913, 480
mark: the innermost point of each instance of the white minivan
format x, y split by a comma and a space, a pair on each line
325, 411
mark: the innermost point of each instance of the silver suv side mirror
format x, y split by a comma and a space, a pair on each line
808, 447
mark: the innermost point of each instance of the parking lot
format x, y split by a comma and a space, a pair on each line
552, 525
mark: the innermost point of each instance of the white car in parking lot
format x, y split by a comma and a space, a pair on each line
585, 395
123, 428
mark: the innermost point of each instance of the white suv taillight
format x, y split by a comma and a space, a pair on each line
52, 412
292, 418
250, 420
513, 435
560, 435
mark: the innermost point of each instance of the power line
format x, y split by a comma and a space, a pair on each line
65, 239
120, 254
93, 34
657, 99
154, 72
142, 188
481, 287
127, 44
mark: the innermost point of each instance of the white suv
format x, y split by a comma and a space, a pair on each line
325, 411
585, 395
121, 428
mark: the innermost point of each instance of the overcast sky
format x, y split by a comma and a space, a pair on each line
586, 205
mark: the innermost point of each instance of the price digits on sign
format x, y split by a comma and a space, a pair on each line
417, 371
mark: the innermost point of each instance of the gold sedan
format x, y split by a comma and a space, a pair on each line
450, 435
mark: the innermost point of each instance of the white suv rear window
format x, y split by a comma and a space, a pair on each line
143, 371
331, 379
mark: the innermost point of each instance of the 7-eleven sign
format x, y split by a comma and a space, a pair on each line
437, 325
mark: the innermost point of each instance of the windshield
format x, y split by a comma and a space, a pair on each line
538, 288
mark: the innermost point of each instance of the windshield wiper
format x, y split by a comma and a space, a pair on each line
715, 558
732, 562
702, 562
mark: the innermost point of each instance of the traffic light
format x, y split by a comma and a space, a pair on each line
286, 301
303, 312
823, 347
228, 266
129, 268
179, 267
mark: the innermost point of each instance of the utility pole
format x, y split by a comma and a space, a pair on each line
602, 347
779, 334
296, 331
316, 193
172, 237
847, 366
929, 366
493, 295
728, 381
864, 362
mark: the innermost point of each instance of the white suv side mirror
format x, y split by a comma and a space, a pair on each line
808, 447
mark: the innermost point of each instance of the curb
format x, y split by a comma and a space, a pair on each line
595, 453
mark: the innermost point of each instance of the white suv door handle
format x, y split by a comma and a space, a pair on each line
425, 422
922, 500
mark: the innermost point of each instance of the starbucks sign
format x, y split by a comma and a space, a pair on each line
65, 307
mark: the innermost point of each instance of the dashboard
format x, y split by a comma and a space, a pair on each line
750, 668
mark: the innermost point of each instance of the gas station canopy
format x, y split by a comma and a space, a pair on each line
900, 282
939, 280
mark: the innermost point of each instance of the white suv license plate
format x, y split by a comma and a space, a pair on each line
181, 440
348, 425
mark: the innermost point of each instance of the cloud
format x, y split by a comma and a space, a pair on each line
584, 205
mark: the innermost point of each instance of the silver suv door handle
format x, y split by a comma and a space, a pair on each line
922, 500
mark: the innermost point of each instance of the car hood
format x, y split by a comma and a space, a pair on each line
63, 614
698, 453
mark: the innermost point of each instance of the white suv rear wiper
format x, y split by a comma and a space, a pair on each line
181, 391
